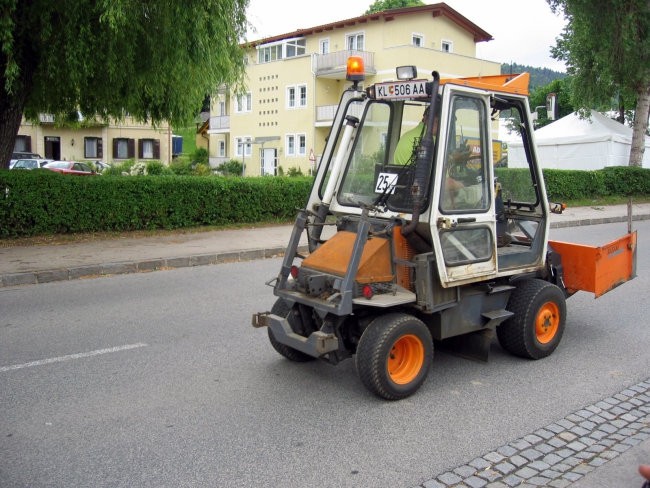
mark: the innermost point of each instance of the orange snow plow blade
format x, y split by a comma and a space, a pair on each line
597, 269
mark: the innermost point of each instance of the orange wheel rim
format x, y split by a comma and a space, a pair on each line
405, 359
547, 322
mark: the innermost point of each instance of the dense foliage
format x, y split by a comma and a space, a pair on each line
381, 5
606, 47
155, 60
42, 202
538, 76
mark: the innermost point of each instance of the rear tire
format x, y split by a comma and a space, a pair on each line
394, 355
281, 309
536, 328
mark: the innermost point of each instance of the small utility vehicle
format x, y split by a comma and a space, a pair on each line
432, 248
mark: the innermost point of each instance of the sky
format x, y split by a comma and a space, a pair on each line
523, 30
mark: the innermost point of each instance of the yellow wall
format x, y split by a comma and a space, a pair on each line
71, 141
391, 43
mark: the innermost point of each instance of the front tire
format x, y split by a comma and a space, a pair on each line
281, 309
537, 326
394, 355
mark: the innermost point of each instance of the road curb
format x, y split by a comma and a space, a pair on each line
128, 267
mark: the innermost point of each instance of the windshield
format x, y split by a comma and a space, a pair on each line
380, 168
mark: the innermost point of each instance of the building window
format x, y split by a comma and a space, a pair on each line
93, 148
222, 149
149, 149
243, 146
417, 40
244, 103
302, 144
123, 148
281, 50
447, 46
354, 42
222, 108
324, 46
296, 145
297, 96
23, 144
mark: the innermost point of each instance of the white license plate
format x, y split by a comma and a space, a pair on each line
397, 90
386, 183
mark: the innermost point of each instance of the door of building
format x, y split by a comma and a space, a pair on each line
53, 148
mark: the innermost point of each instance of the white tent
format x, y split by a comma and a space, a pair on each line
575, 143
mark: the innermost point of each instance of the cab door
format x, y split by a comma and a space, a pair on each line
463, 225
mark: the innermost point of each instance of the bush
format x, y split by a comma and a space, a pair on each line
157, 168
294, 171
44, 202
231, 168
200, 156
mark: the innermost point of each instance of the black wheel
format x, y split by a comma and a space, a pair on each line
280, 308
536, 328
394, 355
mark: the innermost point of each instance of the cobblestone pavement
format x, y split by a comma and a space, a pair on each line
563, 452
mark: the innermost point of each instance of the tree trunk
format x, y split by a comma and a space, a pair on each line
641, 114
10, 117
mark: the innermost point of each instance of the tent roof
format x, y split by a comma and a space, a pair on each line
572, 129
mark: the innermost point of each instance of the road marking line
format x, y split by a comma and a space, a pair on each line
70, 357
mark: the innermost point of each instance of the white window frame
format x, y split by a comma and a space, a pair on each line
222, 108
301, 139
296, 96
245, 142
324, 46
222, 149
352, 41
295, 145
244, 103
449, 46
290, 145
417, 39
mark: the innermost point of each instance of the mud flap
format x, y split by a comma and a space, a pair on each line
474, 346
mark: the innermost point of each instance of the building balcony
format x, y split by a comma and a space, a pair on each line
334, 65
219, 124
325, 114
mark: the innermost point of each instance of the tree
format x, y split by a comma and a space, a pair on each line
154, 60
381, 5
606, 47
562, 89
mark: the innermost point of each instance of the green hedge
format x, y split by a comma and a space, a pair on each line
42, 202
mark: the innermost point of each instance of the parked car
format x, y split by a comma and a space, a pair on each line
15, 156
71, 168
30, 163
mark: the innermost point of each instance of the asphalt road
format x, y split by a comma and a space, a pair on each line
158, 379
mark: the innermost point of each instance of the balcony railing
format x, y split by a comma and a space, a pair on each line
326, 113
333, 65
220, 122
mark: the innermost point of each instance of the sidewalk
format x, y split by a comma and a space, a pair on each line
46, 263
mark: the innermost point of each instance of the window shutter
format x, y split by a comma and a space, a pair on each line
130, 144
115, 155
156, 148
100, 148
140, 154
28, 143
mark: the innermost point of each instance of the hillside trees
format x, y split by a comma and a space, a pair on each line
381, 5
154, 60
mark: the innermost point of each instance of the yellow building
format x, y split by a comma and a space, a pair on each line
90, 141
294, 81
